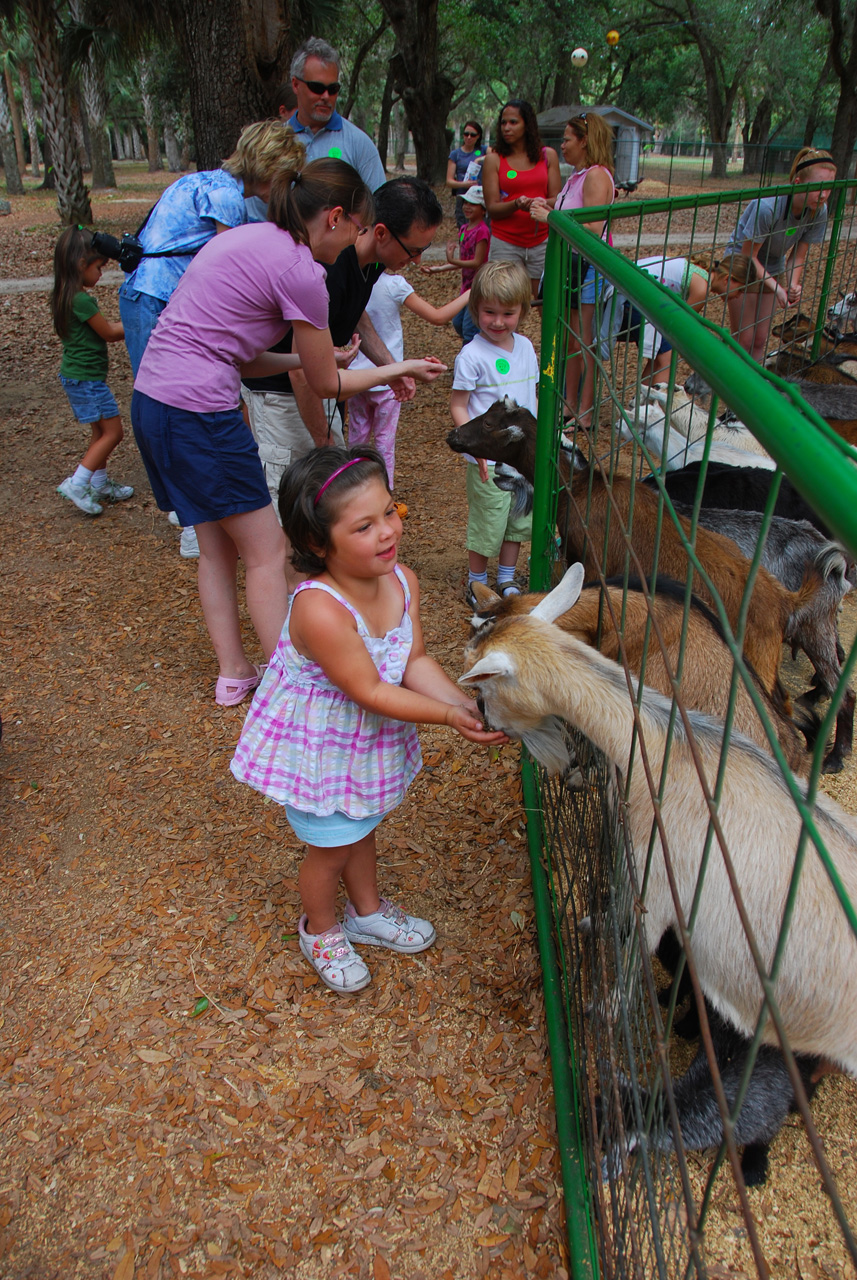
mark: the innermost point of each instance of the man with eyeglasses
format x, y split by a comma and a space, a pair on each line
286, 418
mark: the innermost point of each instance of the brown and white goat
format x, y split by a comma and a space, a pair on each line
531, 675
593, 516
626, 626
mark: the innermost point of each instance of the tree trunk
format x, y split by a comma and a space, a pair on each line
80, 133
234, 63
426, 93
14, 185
843, 56
153, 151
95, 102
137, 144
30, 117
756, 135
384, 121
171, 144
15, 113
49, 180
72, 197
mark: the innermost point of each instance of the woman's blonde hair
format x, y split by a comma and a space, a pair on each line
298, 194
503, 282
264, 149
806, 158
597, 137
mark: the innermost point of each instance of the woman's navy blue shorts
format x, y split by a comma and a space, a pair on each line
203, 466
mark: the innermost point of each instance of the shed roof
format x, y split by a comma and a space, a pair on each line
556, 117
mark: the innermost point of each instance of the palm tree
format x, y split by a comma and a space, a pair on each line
14, 185
42, 24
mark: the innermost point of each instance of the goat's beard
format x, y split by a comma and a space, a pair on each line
545, 740
511, 481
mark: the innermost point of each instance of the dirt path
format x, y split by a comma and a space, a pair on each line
406, 1132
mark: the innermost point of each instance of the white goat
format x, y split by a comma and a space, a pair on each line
733, 442
843, 315
734, 445
529, 674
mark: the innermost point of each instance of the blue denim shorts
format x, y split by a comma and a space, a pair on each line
331, 830
203, 466
592, 286
90, 401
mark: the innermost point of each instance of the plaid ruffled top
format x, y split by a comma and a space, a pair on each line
306, 744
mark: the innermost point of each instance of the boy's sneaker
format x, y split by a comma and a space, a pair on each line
113, 491
334, 959
81, 495
189, 547
389, 926
174, 520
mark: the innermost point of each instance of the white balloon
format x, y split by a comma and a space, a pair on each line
580, 58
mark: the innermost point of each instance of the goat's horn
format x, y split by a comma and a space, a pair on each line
563, 596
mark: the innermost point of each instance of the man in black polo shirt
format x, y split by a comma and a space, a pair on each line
286, 418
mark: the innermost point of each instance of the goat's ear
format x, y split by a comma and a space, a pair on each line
562, 597
495, 663
509, 404
485, 597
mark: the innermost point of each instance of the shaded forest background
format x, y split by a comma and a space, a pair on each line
87, 82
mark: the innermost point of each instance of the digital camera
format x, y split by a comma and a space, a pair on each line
127, 252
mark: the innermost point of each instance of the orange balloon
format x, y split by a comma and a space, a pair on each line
612, 37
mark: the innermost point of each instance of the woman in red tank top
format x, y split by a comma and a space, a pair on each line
518, 171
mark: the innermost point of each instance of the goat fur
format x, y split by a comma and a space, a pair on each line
689, 429
706, 673
529, 673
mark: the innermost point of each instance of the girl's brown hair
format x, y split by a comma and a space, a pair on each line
311, 493
597, 137
301, 191
806, 158
503, 282
739, 270
73, 248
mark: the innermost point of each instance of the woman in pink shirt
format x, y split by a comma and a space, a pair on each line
587, 144
238, 298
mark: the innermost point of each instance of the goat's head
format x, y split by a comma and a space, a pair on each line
842, 317
506, 432
796, 329
513, 666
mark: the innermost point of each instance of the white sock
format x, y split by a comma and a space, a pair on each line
479, 577
81, 477
505, 574
99, 478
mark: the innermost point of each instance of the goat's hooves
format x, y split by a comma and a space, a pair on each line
754, 1164
833, 764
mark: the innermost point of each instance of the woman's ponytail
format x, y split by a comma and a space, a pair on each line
302, 191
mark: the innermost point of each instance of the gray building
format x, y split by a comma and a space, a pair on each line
628, 131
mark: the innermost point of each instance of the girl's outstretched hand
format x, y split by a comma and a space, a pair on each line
426, 370
465, 721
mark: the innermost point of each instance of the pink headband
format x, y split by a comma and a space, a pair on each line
330, 479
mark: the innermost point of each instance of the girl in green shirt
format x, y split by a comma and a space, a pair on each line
85, 333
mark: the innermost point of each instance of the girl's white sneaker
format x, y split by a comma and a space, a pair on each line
389, 926
334, 959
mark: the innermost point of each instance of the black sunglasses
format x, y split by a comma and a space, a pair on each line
470, 133
412, 253
315, 86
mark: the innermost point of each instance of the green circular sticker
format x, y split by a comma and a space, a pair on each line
513, 173
336, 152
502, 366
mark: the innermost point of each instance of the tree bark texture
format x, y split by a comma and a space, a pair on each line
236, 55
14, 185
153, 151
95, 105
15, 113
843, 56
24, 74
425, 91
72, 196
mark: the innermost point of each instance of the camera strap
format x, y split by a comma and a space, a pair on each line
164, 253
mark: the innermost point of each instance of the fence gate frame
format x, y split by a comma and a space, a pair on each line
807, 451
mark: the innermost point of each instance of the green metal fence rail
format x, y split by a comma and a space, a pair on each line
639, 1210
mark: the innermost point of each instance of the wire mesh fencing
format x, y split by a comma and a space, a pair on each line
698, 883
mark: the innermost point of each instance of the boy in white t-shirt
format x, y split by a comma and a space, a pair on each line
377, 411
498, 362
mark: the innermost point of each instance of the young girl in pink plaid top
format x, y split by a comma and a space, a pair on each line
330, 734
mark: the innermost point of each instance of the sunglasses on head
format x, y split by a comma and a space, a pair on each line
315, 86
470, 133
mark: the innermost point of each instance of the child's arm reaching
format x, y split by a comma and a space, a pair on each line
436, 315
322, 630
106, 329
480, 255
